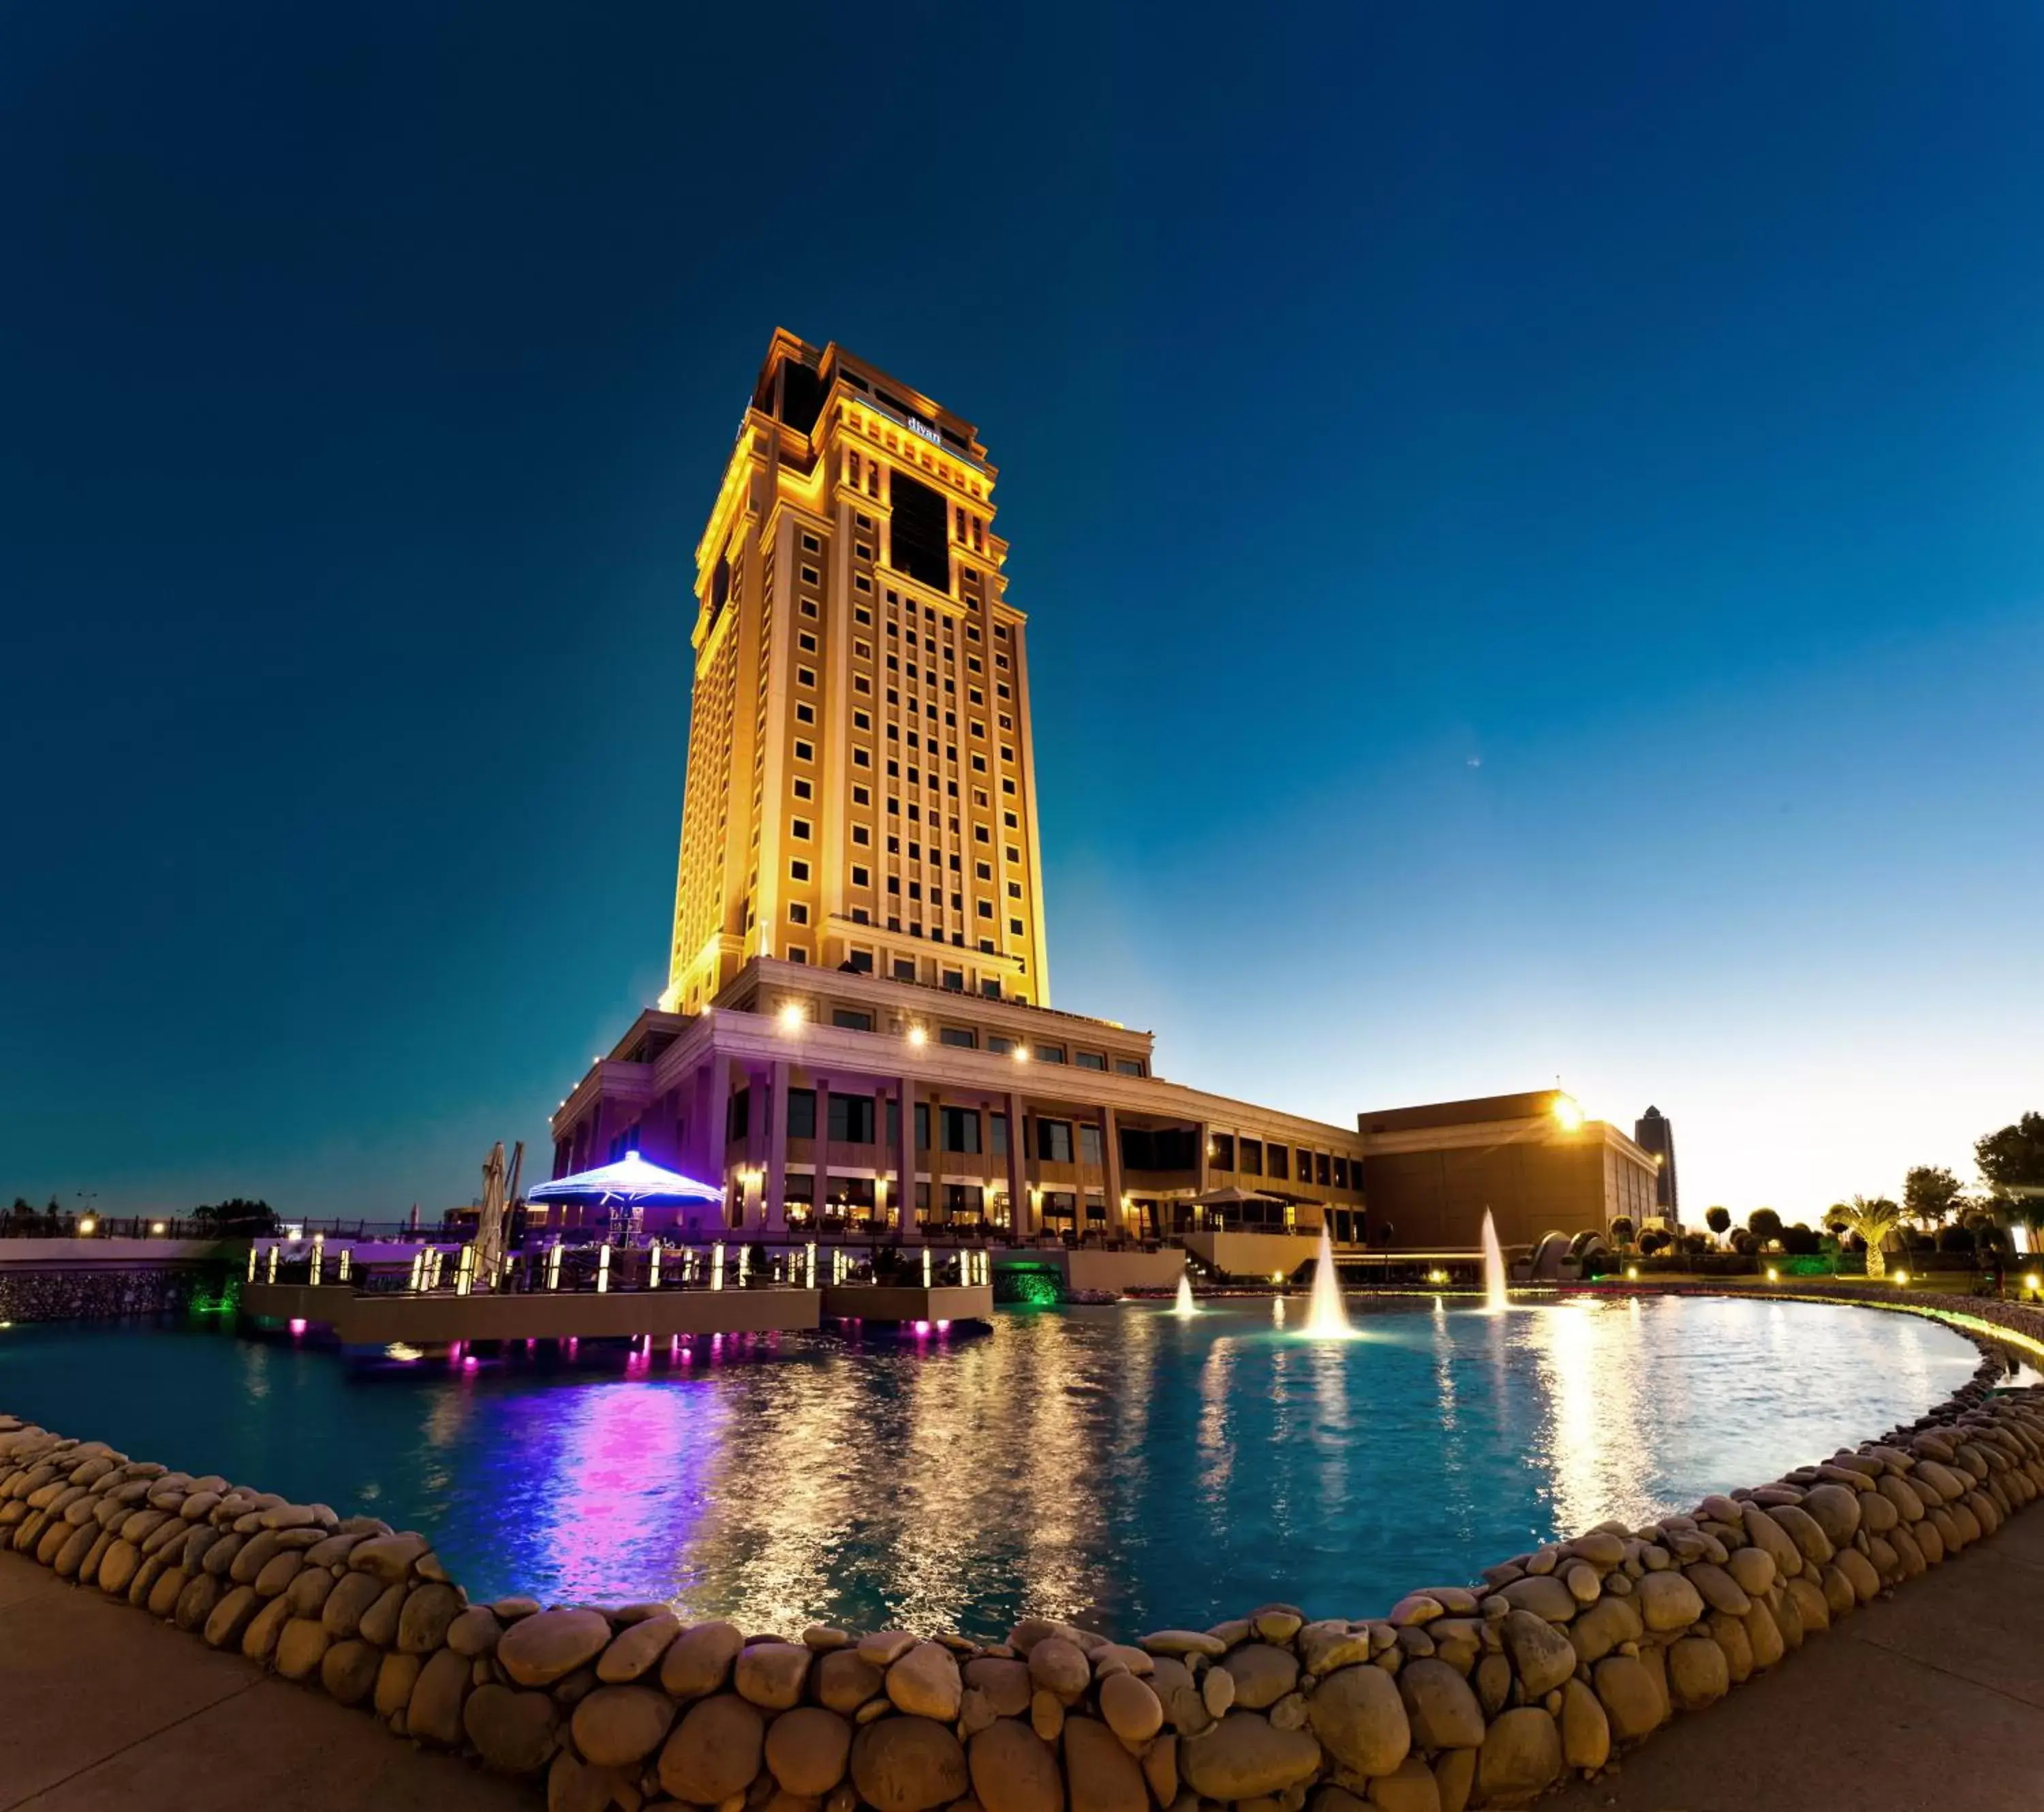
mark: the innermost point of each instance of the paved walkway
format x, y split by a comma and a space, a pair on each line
103, 1708
1929, 1701
1932, 1701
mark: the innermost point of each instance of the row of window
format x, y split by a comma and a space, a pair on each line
1255, 1158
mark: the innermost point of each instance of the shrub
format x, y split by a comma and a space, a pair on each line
1801, 1241
1956, 1239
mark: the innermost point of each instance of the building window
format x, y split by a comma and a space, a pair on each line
799, 829
802, 1113
861, 836
954, 978
798, 870
810, 543
806, 643
1281, 1167
851, 1115
1320, 1168
805, 751
1252, 1158
1341, 1173
1305, 1165
805, 714
1015, 927
904, 967
1128, 1066
1050, 1053
960, 1037
1054, 1139
1220, 1151
1089, 1143
1089, 1059
798, 914
797, 954
861, 877
961, 1129
805, 789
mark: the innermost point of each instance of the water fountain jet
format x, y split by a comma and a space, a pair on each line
1185, 1305
1327, 1316
1496, 1298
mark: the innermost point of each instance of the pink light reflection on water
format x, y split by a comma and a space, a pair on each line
297, 1324
628, 1456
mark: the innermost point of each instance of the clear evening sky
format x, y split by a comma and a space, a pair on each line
1530, 516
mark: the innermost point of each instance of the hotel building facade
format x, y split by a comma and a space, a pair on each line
857, 1030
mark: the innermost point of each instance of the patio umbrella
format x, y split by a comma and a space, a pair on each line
490, 1224
631, 1178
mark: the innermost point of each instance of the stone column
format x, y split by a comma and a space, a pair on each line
1018, 1218
1110, 1158
821, 1188
905, 1159
714, 1096
774, 1204
756, 1112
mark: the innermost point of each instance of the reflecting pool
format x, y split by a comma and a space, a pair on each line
1123, 1465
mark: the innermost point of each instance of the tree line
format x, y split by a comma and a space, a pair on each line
236, 1215
1936, 1211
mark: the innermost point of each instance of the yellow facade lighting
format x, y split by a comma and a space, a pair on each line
1021, 1054
918, 1035
791, 1016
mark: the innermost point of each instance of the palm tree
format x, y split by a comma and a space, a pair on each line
1874, 1217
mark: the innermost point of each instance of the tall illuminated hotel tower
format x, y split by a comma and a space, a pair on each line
860, 791
856, 1034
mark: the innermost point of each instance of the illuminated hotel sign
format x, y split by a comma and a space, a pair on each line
924, 428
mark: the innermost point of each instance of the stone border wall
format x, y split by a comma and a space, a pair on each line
1480, 1695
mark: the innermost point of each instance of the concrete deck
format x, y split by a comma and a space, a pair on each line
1932, 1701
906, 1302
442, 1318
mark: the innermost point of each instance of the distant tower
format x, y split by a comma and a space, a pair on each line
1655, 1133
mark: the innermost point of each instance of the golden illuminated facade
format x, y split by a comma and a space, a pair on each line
861, 789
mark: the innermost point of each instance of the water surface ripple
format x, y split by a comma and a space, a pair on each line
1118, 1465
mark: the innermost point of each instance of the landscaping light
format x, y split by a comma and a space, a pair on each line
2033, 1284
157, 1227
1902, 1280
1632, 1273
87, 1226
1774, 1276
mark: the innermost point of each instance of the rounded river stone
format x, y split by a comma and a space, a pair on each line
1100, 1774
512, 1731
807, 1749
1521, 1756
907, 1764
1443, 1710
715, 1751
1360, 1719
1013, 1770
537, 1650
697, 1661
617, 1726
1246, 1757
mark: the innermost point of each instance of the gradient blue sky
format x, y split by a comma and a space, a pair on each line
1530, 516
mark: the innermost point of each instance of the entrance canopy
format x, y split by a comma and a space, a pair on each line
631, 1178
1228, 1198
